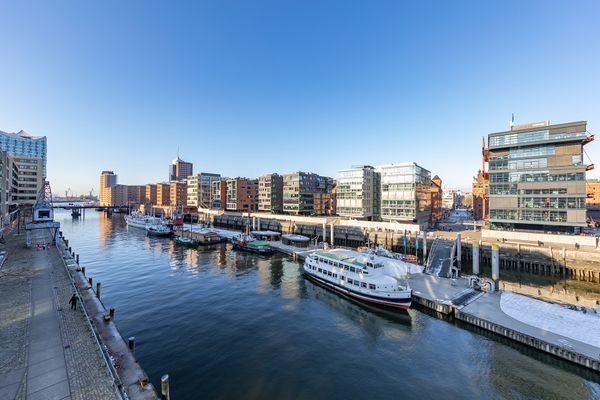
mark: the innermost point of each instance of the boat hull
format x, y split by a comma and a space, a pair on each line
254, 250
159, 234
402, 304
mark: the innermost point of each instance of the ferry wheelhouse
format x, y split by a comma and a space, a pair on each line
367, 277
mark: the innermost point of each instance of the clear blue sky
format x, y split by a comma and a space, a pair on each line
245, 88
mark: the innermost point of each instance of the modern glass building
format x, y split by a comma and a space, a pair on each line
537, 177
270, 193
199, 189
405, 193
299, 189
357, 192
25, 145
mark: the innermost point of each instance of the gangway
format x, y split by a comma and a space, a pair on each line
441, 257
43, 215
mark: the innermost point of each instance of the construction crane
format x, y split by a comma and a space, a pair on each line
67, 193
91, 193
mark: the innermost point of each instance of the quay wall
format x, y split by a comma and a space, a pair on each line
537, 343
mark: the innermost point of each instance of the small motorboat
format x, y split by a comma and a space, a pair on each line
185, 241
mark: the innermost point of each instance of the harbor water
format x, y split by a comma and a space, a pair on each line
229, 325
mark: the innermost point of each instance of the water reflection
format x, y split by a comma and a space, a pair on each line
374, 321
252, 327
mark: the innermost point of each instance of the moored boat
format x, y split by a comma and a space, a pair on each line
366, 277
138, 220
208, 237
158, 230
251, 244
185, 241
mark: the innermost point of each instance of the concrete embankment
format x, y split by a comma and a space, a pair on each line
456, 298
129, 375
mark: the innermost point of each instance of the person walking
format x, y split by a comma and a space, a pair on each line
73, 302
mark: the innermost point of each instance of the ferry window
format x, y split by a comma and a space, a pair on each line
363, 284
342, 277
356, 283
349, 281
351, 269
346, 267
371, 286
329, 273
320, 269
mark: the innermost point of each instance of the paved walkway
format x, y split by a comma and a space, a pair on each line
487, 307
47, 351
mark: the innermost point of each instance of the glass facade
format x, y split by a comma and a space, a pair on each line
299, 190
199, 189
355, 195
537, 179
22, 144
402, 186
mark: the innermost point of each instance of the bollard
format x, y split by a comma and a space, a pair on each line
83, 270
70, 250
90, 281
77, 258
458, 251
98, 289
111, 312
475, 258
324, 233
164, 387
131, 343
495, 264
67, 244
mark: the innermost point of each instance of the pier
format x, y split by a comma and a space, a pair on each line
457, 298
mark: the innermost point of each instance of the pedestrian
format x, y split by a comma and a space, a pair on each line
73, 302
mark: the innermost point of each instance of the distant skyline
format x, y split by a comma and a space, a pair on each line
249, 88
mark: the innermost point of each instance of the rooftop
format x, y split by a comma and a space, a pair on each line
22, 134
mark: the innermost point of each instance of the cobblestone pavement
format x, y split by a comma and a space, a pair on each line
89, 376
15, 312
30, 361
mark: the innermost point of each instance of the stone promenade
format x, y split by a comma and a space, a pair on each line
47, 350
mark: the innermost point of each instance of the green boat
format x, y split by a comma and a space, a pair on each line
184, 241
249, 243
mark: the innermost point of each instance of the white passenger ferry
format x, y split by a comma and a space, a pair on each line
138, 220
363, 276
